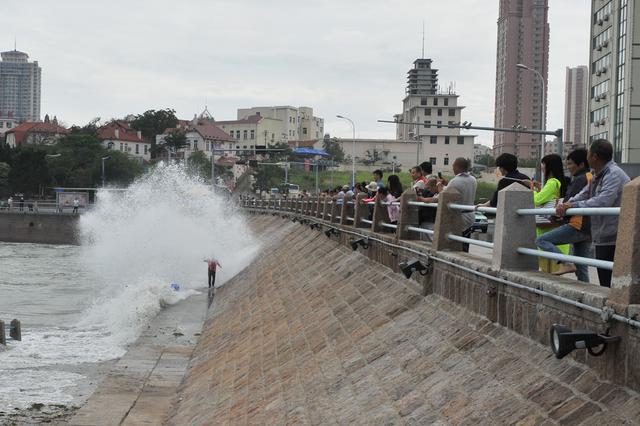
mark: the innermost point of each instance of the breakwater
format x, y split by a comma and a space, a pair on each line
41, 228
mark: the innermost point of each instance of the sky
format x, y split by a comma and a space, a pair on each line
340, 57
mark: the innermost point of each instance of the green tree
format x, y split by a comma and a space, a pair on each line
5, 188
199, 165
91, 128
152, 123
285, 153
486, 160
175, 140
268, 176
334, 149
29, 171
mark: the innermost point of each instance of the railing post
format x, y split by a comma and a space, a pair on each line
625, 283
326, 209
380, 214
447, 221
335, 210
346, 210
15, 331
360, 211
3, 337
408, 217
513, 231
320, 207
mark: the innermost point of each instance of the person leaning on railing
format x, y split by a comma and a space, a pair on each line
575, 229
466, 185
395, 191
604, 190
507, 165
555, 188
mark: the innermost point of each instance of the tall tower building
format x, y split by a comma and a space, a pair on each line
19, 87
523, 38
613, 111
575, 106
427, 110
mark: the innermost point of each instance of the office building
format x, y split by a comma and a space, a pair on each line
19, 87
298, 124
613, 111
575, 106
523, 38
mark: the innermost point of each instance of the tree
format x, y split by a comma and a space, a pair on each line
176, 140
199, 165
152, 123
91, 128
334, 149
268, 176
5, 188
284, 155
29, 171
486, 160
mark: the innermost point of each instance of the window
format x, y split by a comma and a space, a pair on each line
146, 149
432, 160
446, 140
137, 148
423, 101
460, 140
9, 125
446, 161
600, 114
427, 124
435, 101
195, 145
253, 134
244, 135
439, 124
433, 140
446, 101
439, 112
304, 130
2, 124
452, 112
121, 146
427, 111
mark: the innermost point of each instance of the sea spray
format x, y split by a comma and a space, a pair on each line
156, 233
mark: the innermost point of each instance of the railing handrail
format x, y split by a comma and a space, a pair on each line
574, 211
579, 260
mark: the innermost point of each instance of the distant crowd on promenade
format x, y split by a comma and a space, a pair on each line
595, 181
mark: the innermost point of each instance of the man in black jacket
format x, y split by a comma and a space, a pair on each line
508, 165
576, 229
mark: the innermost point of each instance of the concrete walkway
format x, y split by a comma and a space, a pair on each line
141, 388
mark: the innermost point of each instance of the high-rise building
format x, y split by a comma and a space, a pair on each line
426, 112
613, 111
575, 106
523, 38
19, 87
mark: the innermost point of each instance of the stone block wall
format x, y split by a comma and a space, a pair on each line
42, 228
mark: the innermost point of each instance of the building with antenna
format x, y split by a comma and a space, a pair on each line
427, 109
19, 88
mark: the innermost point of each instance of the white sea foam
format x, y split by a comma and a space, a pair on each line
135, 245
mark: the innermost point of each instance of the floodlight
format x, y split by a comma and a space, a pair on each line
564, 341
412, 265
363, 242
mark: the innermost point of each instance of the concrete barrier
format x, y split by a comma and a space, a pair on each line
42, 228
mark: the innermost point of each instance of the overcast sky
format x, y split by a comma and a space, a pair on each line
348, 57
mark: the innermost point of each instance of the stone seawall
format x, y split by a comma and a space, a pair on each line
42, 228
315, 333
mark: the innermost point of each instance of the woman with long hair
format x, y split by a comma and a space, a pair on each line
555, 188
395, 187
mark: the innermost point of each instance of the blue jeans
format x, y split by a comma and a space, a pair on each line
567, 234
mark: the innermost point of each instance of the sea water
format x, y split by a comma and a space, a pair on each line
84, 304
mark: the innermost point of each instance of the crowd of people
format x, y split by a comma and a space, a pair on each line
595, 181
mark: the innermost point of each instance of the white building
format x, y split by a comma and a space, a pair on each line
614, 73
296, 123
480, 150
425, 115
7, 124
38, 133
201, 134
119, 136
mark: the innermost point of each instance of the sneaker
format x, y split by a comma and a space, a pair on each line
566, 268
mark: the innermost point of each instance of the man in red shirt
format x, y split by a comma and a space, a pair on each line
213, 266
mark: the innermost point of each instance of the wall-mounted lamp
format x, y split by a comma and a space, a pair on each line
331, 231
412, 265
564, 341
362, 242
315, 226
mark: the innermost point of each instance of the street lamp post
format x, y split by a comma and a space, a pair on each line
353, 153
543, 121
103, 174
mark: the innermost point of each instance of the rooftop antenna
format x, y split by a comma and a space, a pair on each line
15, 44
423, 39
